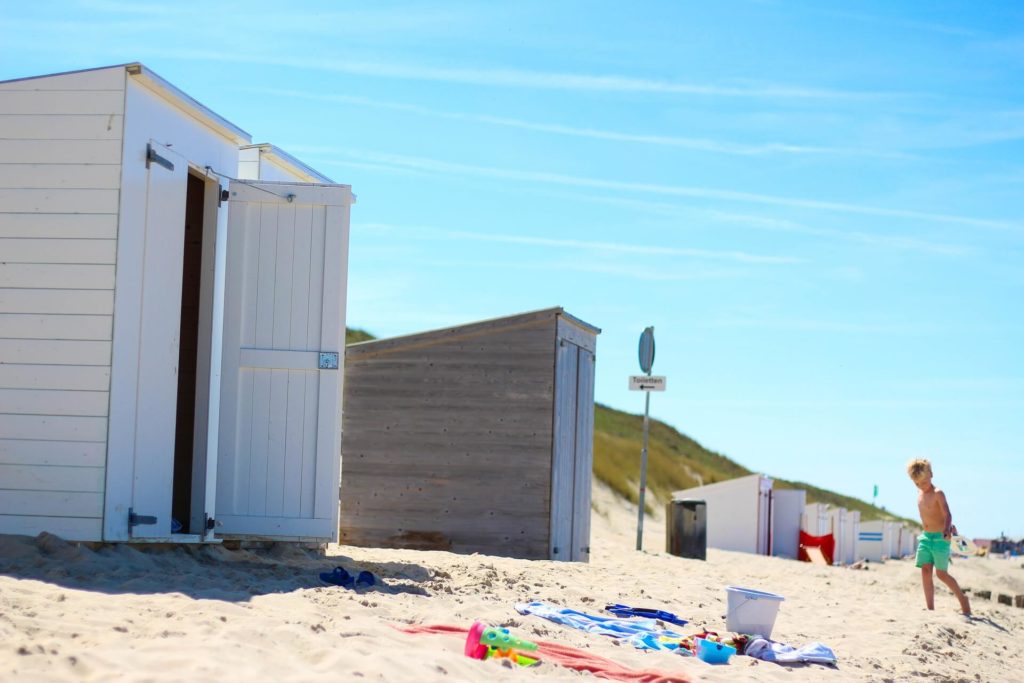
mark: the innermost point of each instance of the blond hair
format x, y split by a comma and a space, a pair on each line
919, 467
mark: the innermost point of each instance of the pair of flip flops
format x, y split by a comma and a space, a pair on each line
620, 610
340, 577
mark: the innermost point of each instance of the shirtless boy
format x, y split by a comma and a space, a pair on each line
933, 544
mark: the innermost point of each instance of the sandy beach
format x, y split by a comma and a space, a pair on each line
75, 613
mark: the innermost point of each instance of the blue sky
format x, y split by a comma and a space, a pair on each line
819, 208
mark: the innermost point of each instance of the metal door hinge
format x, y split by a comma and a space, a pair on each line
328, 361
153, 158
139, 520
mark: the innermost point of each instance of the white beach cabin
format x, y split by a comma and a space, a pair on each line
786, 517
739, 513
171, 339
908, 545
850, 534
263, 161
873, 541
815, 519
894, 536
904, 541
839, 528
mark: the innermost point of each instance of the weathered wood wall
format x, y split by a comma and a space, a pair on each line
447, 439
60, 168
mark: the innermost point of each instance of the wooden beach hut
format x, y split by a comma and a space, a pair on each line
476, 438
739, 513
171, 338
788, 511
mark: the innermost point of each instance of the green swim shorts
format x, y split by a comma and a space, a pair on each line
932, 548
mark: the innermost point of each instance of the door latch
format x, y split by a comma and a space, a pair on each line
328, 361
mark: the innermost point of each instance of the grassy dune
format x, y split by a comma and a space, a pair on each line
675, 461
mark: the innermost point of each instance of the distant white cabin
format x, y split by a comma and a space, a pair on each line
786, 518
850, 535
739, 513
839, 527
815, 519
873, 541
171, 338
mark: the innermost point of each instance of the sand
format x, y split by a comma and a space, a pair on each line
74, 613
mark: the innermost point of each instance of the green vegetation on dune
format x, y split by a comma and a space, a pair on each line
674, 460
354, 336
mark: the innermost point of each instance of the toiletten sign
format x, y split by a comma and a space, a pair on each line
647, 382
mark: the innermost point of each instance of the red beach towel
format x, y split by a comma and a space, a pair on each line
826, 543
571, 658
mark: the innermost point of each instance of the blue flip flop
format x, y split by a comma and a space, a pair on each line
620, 610
338, 577
365, 579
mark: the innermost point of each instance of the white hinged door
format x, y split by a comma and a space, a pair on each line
279, 455
144, 388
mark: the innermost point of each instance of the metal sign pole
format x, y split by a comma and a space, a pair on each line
645, 352
643, 475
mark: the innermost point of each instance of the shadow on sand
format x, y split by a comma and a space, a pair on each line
201, 572
975, 619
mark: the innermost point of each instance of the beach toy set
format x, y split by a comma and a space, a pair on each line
487, 642
750, 620
714, 652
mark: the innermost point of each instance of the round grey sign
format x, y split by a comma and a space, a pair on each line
647, 350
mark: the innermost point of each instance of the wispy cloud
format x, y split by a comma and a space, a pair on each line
698, 144
893, 21
624, 269
959, 384
898, 242
951, 130
522, 78
775, 404
493, 77
608, 247
141, 8
814, 325
437, 166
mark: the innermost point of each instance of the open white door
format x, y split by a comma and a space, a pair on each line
140, 467
279, 454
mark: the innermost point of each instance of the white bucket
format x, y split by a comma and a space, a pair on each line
751, 611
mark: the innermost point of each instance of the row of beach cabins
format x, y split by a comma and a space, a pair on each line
750, 514
173, 365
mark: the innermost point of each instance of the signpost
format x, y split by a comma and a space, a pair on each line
645, 383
